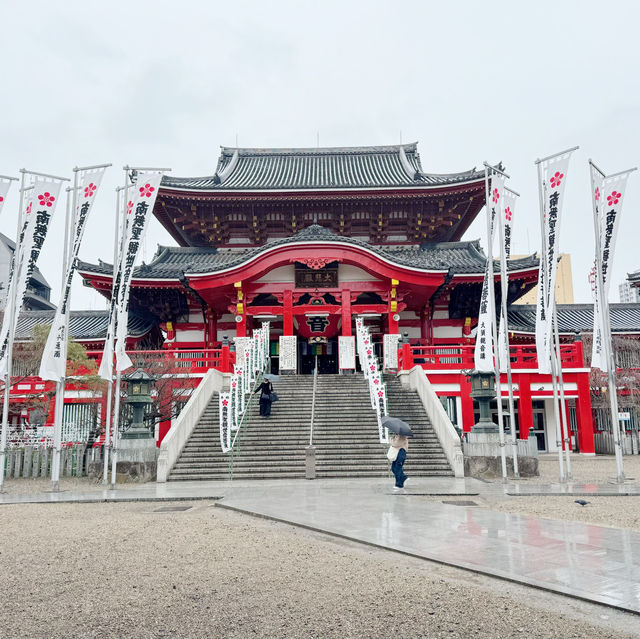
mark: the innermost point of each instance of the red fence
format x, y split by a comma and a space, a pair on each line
179, 361
461, 357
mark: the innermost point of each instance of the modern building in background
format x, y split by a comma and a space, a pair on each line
564, 284
628, 293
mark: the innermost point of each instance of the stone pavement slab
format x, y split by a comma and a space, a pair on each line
596, 563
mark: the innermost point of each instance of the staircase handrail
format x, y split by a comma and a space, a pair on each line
252, 358
242, 428
447, 435
182, 428
373, 374
313, 402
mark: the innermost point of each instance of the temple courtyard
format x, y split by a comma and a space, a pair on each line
325, 558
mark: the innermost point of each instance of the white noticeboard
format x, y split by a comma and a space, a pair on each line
346, 352
242, 345
624, 417
390, 358
287, 353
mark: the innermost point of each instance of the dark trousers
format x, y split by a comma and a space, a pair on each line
397, 470
265, 407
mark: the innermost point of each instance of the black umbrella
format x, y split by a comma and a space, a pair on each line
397, 426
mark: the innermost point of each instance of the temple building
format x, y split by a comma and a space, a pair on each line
309, 239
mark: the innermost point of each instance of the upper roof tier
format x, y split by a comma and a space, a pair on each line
363, 167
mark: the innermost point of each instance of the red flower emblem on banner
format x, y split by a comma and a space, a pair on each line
46, 199
129, 207
597, 193
225, 402
1, 198
556, 179
372, 367
508, 214
90, 190
146, 190
614, 198
368, 351
380, 394
29, 208
376, 381
495, 196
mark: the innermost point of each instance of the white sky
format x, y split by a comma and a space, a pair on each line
167, 83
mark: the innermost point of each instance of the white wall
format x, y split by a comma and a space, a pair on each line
349, 273
447, 331
280, 274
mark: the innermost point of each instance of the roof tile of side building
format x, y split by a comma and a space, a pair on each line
363, 167
83, 325
37, 275
576, 318
174, 262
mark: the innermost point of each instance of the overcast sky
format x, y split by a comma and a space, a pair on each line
168, 83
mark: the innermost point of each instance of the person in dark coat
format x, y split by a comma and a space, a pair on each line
265, 389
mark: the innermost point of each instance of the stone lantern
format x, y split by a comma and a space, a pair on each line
483, 389
139, 385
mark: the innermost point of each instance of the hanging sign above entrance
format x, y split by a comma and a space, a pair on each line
316, 276
321, 325
287, 354
346, 352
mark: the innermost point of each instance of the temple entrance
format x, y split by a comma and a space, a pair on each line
325, 352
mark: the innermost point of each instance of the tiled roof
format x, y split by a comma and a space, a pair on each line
173, 262
322, 168
576, 318
83, 325
633, 277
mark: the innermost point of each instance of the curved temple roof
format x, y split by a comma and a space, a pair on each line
458, 257
336, 168
576, 318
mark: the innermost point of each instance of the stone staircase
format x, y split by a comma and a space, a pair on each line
345, 435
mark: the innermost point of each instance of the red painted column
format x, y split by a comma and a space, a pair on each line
288, 312
424, 325
211, 329
467, 404
346, 312
586, 442
525, 405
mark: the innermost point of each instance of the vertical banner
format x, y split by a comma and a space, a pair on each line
552, 184
608, 194
390, 351
483, 351
346, 352
508, 209
146, 192
5, 183
42, 204
53, 364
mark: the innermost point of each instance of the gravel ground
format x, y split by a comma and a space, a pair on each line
617, 512
128, 570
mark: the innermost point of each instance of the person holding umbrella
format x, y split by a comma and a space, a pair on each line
397, 455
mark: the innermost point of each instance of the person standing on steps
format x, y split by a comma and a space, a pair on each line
398, 455
265, 389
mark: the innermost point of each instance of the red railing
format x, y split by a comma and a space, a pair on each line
178, 361
453, 357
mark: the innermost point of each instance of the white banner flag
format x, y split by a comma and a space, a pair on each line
53, 363
608, 194
553, 179
483, 351
508, 209
43, 200
4, 189
146, 192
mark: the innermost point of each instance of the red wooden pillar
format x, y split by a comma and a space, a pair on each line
346, 312
288, 312
525, 406
424, 325
211, 329
586, 442
467, 404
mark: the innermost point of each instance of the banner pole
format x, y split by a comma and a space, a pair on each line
492, 306
59, 405
548, 299
566, 427
605, 334
10, 306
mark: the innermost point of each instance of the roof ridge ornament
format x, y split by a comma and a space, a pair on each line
411, 172
228, 170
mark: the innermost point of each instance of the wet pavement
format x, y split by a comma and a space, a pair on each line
596, 563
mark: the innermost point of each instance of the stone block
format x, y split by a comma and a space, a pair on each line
489, 467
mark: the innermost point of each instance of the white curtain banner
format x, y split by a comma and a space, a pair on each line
53, 363
146, 192
4, 189
552, 184
43, 200
510, 199
483, 351
608, 195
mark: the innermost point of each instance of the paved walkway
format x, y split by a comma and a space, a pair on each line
591, 562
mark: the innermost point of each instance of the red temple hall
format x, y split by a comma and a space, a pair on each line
310, 239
